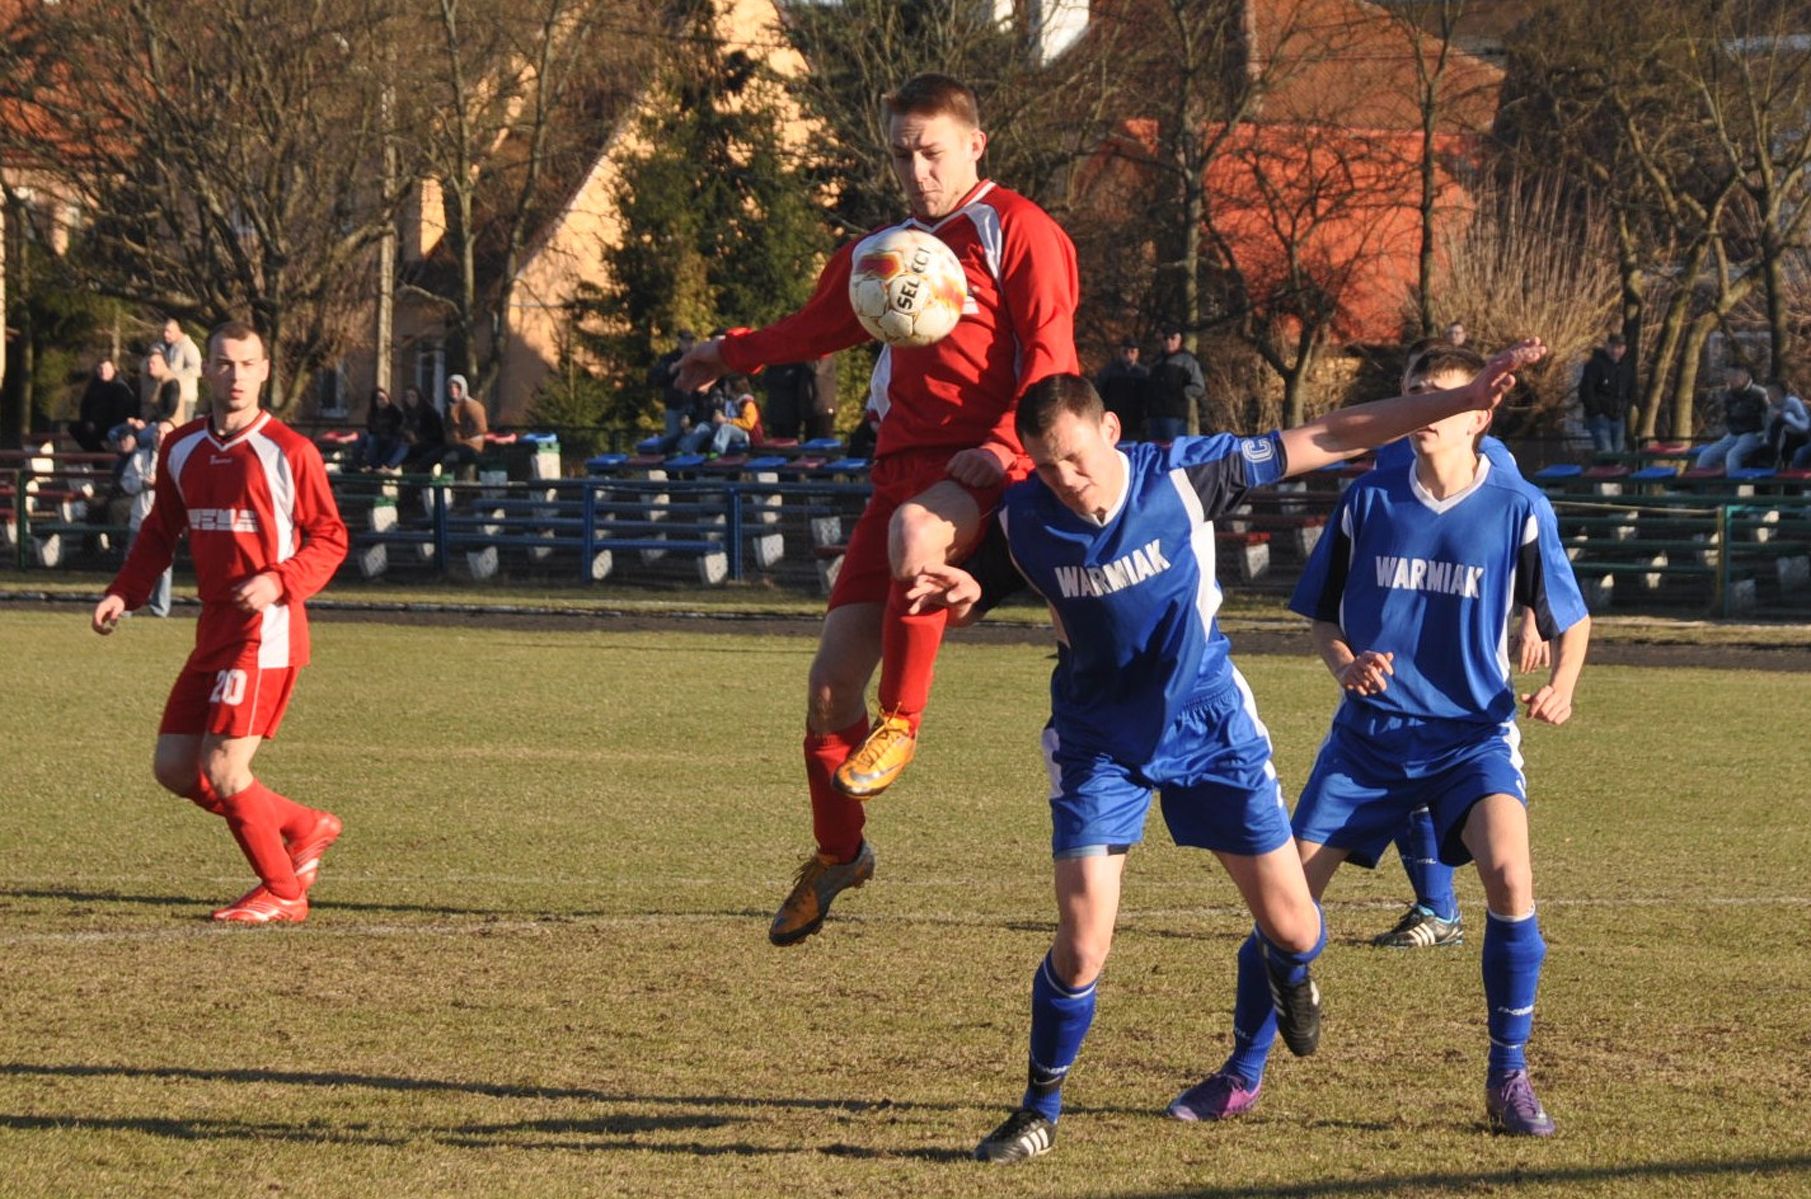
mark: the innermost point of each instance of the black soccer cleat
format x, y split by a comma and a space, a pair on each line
1419, 928
1025, 1135
1298, 1008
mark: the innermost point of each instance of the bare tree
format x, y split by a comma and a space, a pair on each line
504, 104
1528, 259
221, 152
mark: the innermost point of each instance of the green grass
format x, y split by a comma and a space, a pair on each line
538, 965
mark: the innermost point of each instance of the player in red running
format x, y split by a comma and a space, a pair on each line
946, 452
264, 534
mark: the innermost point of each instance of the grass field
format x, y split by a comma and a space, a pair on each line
537, 963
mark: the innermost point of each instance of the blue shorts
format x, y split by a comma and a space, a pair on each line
1212, 767
1363, 789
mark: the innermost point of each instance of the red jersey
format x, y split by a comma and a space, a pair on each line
1017, 326
253, 502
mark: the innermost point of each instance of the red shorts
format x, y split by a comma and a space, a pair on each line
867, 572
229, 703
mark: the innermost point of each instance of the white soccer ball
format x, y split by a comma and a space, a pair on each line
907, 287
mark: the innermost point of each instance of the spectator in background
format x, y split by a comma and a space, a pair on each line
466, 425
1455, 334
382, 445
138, 479
822, 421
1122, 384
161, 391
1744, 424
106, 402
1176, 386
423, 432
663, 378
174, 358
733, 425
791, 398
1603, 391
1788, 426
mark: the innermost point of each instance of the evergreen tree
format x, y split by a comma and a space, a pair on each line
722, 227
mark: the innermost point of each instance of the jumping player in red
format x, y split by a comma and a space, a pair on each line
947, 450
264, 534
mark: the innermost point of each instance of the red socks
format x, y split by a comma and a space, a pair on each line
836, 820
261, 821
909, 647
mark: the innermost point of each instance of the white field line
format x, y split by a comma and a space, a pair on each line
489, 926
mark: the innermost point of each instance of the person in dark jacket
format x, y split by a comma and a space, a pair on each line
422, 430
1122, 384
663, 378
791, 398
106, 402
382, 446
1176, 386
1744, 424
1604, 391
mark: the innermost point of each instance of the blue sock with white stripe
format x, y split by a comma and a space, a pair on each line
1254, 1018
1513, 952
1431, 878
1060, 1017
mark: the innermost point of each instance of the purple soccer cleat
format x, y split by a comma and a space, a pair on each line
1512, 1107
1219, 1096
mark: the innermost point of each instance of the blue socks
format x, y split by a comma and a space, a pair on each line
1513, 952
1254, 1020
1420, 851
1060, 1017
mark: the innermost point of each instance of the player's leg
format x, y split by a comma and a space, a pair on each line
929, 529
836, 721
1062, 1000
1227, 800
176, 763
283, 840
1496, 834
1433, 918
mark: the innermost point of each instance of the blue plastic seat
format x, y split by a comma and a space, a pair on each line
1558, 471
648, 445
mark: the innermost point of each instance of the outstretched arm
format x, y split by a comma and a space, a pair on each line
1340, 435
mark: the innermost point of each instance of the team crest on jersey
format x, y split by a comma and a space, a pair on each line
1257, 449
222, 520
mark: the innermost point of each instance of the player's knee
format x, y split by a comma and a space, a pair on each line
1077, 960
1293, 928
917, 538
175, 775
1508, 887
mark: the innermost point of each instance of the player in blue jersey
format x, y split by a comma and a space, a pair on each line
1433, 920
1410, 593
1119, 540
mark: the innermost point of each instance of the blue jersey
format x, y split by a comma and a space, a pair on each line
1133, 596
1433, 581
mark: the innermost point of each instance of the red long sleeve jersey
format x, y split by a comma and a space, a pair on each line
1017, 326
253, 502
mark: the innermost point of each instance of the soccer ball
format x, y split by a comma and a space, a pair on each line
906, 287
